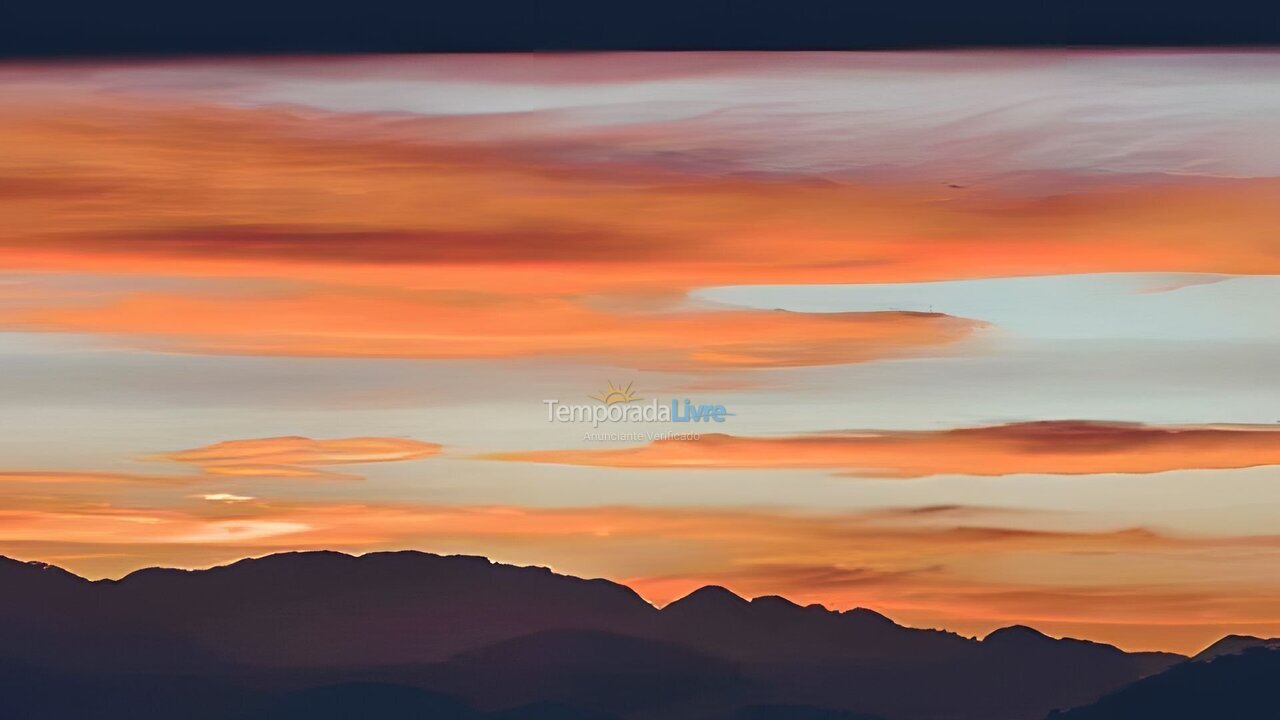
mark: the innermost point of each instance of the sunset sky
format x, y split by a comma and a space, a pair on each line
998, 331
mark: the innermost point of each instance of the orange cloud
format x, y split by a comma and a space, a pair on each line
1049, 447
331, 323
277, 457
290, 457
500, 249
202, 188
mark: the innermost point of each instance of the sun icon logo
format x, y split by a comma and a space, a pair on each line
615, 395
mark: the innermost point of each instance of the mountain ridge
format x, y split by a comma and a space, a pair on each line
717, 596
1239, 686
465, 626
1234, 645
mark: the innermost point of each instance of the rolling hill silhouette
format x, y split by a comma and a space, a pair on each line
1234, 645
304, 634
1239, 686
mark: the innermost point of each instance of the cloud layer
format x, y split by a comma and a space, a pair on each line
1048, 447
315, 232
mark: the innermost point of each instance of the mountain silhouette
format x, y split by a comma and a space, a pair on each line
1234, 645
302, 634
1240, 686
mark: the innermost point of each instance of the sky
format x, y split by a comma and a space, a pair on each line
151, 27
992, 334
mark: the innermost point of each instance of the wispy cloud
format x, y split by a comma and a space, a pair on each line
298, 457
344, 323
1048, 447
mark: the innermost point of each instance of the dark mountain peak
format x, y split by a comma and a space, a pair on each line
9, 567
1016, 634
8, 564
318, 559
331, 608
332, 565
1234, 645
1242, 638
708, 598
312, 559
777, 602
418, 558
865, 615
1240, 686
1019, 643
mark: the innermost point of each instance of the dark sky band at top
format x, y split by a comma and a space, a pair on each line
152, 27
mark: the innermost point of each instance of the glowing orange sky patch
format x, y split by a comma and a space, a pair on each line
913, 565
